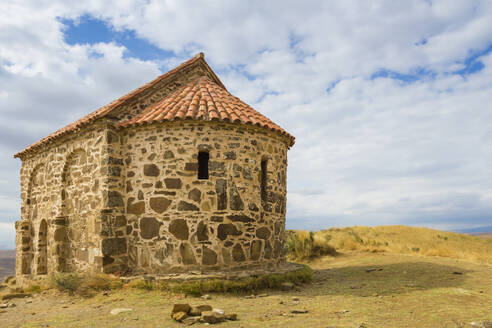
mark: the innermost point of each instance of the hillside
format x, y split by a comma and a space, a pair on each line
7, 263
397, 240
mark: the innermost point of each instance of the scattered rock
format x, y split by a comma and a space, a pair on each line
190, 320
212, 317
481, 324
457, 272
374, 269
120, 310
180, 316
219, 311
249, 296
197, 310
231, 316
295, 299
180, 307
262, 295
14, 295
4, 306
286, 286
206, 297
297, 311
11, 305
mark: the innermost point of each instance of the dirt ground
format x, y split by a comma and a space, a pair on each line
351, 290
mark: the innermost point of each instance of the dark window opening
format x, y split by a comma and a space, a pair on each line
263, 182
203, 165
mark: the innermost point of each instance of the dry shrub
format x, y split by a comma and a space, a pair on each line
66, 282
302, 245
84, 284
93, 283
34, 288
141, 284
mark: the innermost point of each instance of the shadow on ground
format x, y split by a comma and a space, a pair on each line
386, 279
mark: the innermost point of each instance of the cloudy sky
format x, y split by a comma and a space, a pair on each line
390, 101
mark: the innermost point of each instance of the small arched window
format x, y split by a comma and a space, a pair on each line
264, 178
203, 165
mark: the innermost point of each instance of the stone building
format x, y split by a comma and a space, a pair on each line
177, 175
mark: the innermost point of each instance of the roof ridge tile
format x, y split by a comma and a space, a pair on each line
203, 99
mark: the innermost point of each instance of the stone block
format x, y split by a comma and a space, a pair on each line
149, 227
179, 228
114, 246
159, 204
173, 183
185, 206
151, 170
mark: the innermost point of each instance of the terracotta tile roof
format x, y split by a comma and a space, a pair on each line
229, 112
105, 110
203, 99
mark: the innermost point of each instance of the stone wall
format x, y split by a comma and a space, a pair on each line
177, 222
61, 205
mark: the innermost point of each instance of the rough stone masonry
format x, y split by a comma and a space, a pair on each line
178, 175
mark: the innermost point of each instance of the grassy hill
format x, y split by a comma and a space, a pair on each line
391, 239
7, 263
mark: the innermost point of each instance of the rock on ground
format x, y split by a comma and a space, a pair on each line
212, 317
180, 308
197, 310
481, 324
119, 310
180, 316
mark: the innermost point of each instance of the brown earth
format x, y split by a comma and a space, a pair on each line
351, 290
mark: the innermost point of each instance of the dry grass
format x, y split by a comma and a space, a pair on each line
304, 245
405, 291
88, 285
395, 239
85, 285
240, 286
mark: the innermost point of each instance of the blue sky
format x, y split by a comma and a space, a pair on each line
89, 30
389, 101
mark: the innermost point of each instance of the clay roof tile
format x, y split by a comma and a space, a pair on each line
203, 98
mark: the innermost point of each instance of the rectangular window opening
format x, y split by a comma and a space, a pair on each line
203, 165
263, 182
